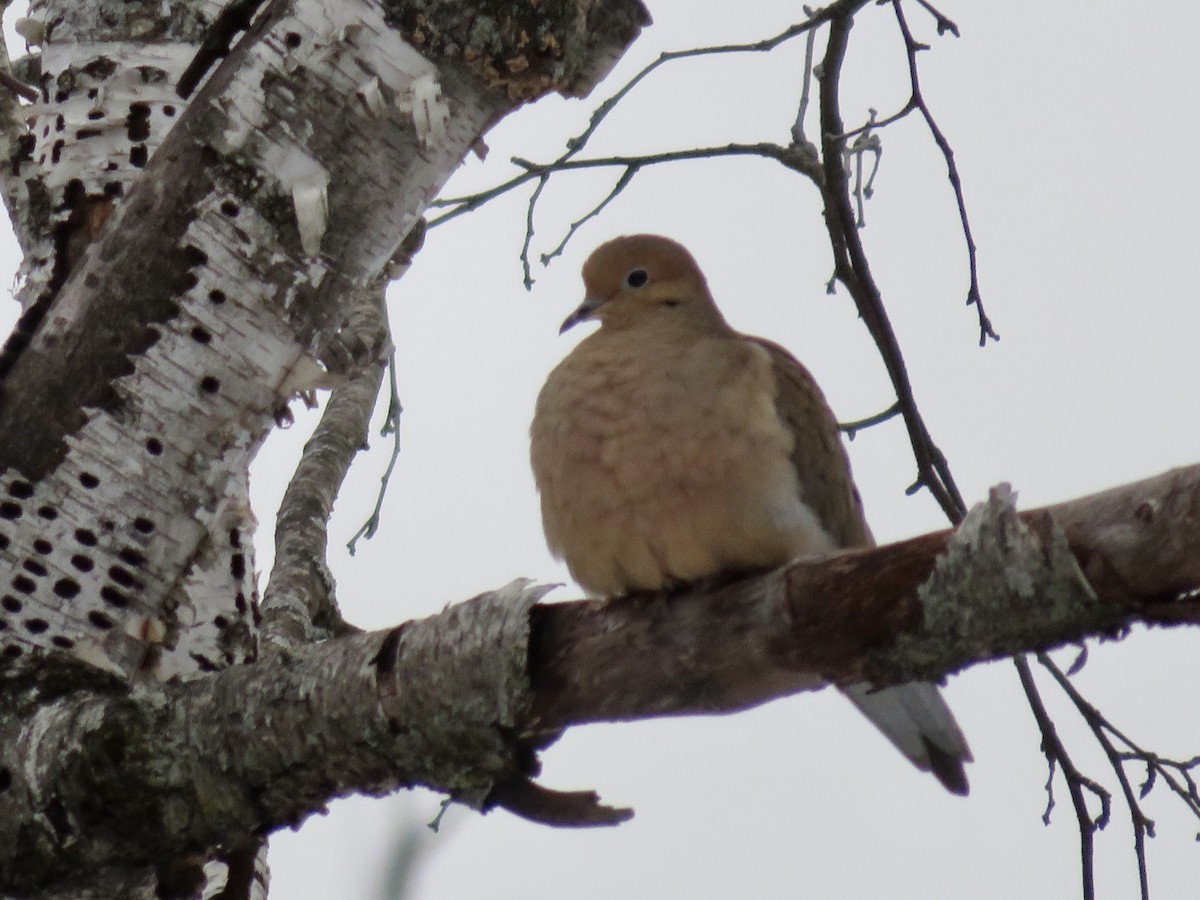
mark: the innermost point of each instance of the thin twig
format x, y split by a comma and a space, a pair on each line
391, 427
1077, 782
622, 183
792, 157
851, 429
866, 142
529, 212
912, 48
396, 267
1156, 767
460, 205
1142, 824
789, 156
853, 270
798, 136
944, 24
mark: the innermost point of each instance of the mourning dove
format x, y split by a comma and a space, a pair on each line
668, 447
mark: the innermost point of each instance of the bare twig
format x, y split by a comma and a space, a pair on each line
460, 205
851, 429
391, 427
798, 136
1175, 774
944, 24
1142, 824
622, 183
912, 48
853, 270
1077, 782
866, 142
791, 156
398, 265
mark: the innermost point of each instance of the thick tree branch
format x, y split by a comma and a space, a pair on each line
864, 614
461, 701
164, 772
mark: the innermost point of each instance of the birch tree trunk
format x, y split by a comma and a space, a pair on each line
191, 264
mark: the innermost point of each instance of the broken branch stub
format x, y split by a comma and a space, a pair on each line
1001, 585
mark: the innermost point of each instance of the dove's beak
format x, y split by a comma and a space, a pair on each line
584, 312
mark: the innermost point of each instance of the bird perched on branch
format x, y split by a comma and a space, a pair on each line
668, 447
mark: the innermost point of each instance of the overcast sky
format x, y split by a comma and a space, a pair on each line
1074, 126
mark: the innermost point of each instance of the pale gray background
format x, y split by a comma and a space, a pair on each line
1075, 128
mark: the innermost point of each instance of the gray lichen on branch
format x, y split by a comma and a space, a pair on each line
463, 701
1011, 569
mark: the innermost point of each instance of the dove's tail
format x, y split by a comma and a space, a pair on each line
917, 720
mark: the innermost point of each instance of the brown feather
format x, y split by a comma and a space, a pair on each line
825, 487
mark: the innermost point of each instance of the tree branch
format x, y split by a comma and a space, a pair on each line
853, 270
862, 614
461, 701
299, 596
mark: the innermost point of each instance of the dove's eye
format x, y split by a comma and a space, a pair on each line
636, 278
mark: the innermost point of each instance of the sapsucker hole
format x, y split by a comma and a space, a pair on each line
66, 588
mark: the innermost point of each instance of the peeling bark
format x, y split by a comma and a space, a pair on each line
103, 775
198, 310
192, 264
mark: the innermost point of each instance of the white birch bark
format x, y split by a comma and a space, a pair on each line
189, 268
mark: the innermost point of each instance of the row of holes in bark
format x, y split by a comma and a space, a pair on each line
67, 588
23, 490
36, 626
12, 651
197, 258
141, 524
87, 537
137, 130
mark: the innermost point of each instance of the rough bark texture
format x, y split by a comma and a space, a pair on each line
192, 264
298, 604
130, 777
202, 306
884, 614
100, 775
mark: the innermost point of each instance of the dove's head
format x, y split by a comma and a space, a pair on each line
643, 280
